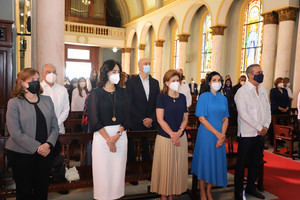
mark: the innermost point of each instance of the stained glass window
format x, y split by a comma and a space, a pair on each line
206, 45
252, 35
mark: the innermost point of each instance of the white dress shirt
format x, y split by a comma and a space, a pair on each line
146, 85
290, 93
60, 98
298, 106
184, 89
77, 103
254, 110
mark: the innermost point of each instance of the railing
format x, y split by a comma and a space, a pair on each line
95, 30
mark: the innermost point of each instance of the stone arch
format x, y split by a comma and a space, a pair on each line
129, 37
144, 32
163, 25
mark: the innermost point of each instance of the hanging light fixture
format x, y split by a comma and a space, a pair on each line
86, 2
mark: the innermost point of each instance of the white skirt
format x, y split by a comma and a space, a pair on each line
109, 168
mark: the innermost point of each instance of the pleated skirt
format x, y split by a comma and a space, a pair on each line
170, 166
109, 168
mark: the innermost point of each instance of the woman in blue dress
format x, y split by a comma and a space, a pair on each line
209, 160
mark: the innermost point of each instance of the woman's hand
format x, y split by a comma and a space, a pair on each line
44, 149
111, 142
175, 137
221, 140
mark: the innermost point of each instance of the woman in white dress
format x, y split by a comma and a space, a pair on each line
79, 95
107, 113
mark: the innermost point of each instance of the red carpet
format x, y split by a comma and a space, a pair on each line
282, 177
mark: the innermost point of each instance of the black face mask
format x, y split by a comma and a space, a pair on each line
34, 87
259, 78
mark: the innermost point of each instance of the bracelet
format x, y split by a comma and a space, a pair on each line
119, 133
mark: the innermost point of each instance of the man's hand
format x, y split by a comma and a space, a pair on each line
147, 122
44, 149
263, 131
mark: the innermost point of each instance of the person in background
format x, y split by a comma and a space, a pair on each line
170, 161
79, 95
124, 79
279, 98
228, 93
242, 81
202, 86
142, 94
227, 77
254, 118
287, 85
184, 88
209, 160
33, 132
58, 94
108, 119
193, 87
74, 84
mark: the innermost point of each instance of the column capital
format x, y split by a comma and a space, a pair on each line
218, 30
270, 18
142, 47
287, 14
126, 50
159, 43
183, 37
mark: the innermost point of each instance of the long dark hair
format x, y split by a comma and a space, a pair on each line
208, 79
81, 89
107, 66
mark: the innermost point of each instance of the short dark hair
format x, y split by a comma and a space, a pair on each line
168, 75
250, 68
277, 81
107, 66
208, 79
286, 79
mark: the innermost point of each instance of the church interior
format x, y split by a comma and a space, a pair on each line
195, 36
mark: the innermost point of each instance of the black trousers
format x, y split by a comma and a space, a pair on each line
31, 175
250, 153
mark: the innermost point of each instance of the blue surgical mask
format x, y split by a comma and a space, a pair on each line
147, 69
259, 78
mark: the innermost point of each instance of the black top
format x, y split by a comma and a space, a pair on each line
195, 92
236, 88
101, 105
41, 125
174, 110
279, 99
140, 108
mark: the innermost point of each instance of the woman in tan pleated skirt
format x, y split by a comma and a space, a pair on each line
170, 161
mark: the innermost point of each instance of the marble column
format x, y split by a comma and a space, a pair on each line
296, 79
217, 48
183, 39
123, 60
127, 52
269, 48
141, 51
50, 17
158, 60
287, 19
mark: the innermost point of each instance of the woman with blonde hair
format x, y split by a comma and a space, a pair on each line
170, 161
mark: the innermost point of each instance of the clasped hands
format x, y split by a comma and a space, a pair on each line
221, 139
44, 149
111, 142
175, 137
147, 122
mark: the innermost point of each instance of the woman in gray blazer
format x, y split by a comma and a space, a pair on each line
33, 131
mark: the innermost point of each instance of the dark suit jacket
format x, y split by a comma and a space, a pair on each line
195, 88
140, 108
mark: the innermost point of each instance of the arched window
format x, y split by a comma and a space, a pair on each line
252, 35
206, 45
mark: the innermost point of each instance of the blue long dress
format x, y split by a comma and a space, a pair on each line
209, 162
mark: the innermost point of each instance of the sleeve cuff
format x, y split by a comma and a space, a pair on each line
51, 145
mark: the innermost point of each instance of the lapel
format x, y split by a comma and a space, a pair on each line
150, 88
141, 87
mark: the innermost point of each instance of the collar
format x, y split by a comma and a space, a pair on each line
251, 86
147, 78
44, 84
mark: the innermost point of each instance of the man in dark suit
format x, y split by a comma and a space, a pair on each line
193, 87
142, 93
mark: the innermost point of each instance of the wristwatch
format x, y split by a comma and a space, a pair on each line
119, 133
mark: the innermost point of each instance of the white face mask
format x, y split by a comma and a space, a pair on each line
74, 85
288, 85
242, 82
280, 85
216, 86
51, 78
174, 86
114, 78
82, 84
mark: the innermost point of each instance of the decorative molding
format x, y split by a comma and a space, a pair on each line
142, 47
126, 50
270, 18
287, 14
218, 30
183, 37
159, 43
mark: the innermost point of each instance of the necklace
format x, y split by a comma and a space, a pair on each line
113, 99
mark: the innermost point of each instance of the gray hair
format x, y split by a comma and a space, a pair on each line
249, 69
46, 65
